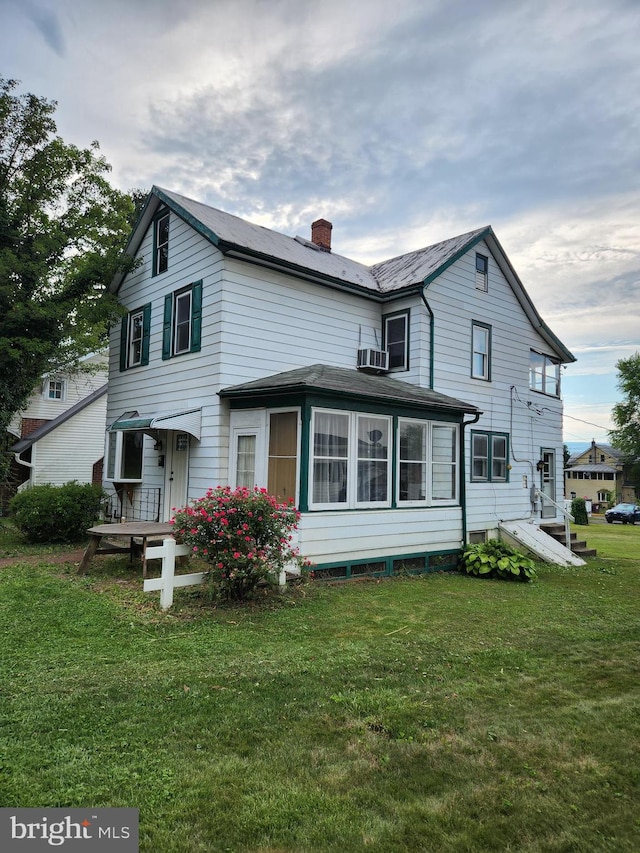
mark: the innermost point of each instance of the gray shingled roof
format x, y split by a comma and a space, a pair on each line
383, 281
45, 429
403, 271
345, 382
232, 231
415, 267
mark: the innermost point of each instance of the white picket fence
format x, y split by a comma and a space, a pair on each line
168, 580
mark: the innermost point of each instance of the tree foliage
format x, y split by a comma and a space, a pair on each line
626, 414
63, 229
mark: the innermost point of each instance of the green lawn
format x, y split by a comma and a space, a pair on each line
439, 713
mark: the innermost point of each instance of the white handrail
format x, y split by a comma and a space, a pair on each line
567, 515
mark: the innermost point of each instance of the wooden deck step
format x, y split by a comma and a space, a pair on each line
556, 531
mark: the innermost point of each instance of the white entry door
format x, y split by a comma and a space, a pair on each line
176, 472
548, 482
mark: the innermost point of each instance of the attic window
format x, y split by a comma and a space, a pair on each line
482, 272
161, 244
55, 389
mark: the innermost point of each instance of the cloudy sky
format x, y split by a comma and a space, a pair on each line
402, 122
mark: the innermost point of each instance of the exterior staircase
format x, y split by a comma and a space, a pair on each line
556, 531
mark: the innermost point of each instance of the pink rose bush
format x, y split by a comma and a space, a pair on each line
244, 534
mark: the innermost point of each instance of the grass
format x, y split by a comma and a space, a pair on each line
437, 713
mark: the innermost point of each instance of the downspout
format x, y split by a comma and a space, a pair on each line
30, 465
431, 334
463, 478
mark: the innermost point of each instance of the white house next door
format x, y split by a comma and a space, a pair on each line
176, 472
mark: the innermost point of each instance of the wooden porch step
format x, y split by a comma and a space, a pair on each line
556, 531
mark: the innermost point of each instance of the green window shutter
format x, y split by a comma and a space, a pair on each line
124, 328
146, 331
166, 326
196, 316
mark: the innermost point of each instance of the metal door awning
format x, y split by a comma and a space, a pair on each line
189, 420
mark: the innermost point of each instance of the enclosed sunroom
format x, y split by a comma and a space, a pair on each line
375, 465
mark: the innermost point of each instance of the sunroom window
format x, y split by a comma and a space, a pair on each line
427, 462
350, 459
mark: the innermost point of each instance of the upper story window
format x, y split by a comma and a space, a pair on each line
482, 272
489, 457
544, 374
55, 389
134, 338
161, 243
395, 339
480, 351
182, 321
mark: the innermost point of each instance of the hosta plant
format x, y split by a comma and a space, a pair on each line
496, 559
244, 534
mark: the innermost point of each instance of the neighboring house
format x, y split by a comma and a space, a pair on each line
599, 475
406, 407
59, 435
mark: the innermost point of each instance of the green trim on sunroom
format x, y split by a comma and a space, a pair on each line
432, 561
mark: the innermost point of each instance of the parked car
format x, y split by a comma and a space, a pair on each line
626, 513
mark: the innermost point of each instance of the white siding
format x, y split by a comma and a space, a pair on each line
77, 387
70, 451
531, 420
257, 322
378, 533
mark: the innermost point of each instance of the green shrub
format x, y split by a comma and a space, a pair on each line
245, 535
57, 513
579, 511
496, 559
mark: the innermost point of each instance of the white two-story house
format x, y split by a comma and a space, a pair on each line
406, 408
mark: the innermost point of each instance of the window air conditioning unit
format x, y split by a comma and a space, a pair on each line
373, 360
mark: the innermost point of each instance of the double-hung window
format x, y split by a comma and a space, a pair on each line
427, 462
395, 340
350, 460
544, 374
161, 243
489, 457
482, 272
182, 321
480, 351
134, 338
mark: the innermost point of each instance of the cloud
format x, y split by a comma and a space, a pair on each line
47, 23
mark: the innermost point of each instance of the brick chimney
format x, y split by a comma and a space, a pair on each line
321, 234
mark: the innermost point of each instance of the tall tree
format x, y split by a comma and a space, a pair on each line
626, 414
62, 233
